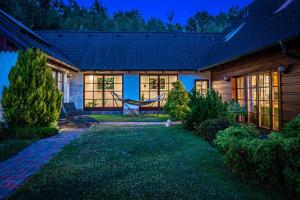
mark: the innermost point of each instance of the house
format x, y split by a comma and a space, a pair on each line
256, 61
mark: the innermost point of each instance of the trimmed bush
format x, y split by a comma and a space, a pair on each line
203, 108
209, 128
32, 99
230, 136
274, 161
292, 129
33, 132
177, 102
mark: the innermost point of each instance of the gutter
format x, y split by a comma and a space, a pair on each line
62, 63
285, 51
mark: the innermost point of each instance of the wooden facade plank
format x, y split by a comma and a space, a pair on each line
259, 63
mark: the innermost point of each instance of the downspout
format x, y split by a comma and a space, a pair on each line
285, 52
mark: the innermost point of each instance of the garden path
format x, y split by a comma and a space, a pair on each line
17, 169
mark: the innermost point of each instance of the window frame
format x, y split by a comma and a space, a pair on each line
103, 93
201, 80
159, 107
56, 72
270, 100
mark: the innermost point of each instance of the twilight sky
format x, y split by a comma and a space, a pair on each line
159, 8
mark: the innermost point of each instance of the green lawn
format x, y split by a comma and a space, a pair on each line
11, 147
146, 162
121, 118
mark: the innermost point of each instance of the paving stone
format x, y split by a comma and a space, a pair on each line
17, 169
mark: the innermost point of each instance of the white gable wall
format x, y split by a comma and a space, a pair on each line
7, 60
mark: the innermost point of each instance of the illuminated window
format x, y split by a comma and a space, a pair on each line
275, 101
151, 86
201, 86
59, 79
252, 99
238, 89
98, 91
262, 98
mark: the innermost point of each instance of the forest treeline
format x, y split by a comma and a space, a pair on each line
58, 15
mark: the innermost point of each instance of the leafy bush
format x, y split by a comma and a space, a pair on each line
235, 110
205, 107
292, 129
209, 128
176, 105
33, 132
275, 160
233, 134
32, 99
291, 170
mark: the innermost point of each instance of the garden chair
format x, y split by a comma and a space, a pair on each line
71, 111
70, 114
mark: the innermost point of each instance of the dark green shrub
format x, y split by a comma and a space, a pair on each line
274, 161
292, 129
203, 107
177, 102
291, 169
209, 128
33, 132
1, 132
32, 99
230, 136
269, 158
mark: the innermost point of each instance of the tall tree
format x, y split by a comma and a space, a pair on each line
155, 25
128, 21
98, 17
191, 25
32, 99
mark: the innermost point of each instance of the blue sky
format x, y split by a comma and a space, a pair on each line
159, 8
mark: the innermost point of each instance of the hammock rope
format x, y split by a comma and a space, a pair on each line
160, 98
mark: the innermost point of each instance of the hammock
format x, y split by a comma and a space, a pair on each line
127, 102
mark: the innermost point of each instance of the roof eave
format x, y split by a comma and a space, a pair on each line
68, 66
247, 54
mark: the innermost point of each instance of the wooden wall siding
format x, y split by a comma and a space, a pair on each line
5, 45
290, 92
224, 89
260, 62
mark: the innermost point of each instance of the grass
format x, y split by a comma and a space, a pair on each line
146, 162
10, 147
121, 118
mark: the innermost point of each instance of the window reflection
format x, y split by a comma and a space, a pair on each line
201, 86
151, 86
98, 90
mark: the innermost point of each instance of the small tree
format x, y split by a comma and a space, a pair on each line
204, 107
32, 99
177, 103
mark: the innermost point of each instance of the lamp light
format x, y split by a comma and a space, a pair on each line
282, 68
226, 78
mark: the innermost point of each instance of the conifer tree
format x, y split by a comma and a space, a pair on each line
32, 99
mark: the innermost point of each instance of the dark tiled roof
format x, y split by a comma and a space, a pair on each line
262, 28
25, 38
133, 51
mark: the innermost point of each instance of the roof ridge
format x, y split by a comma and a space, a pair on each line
126, 32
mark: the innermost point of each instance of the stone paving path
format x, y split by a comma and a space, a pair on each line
15, 170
